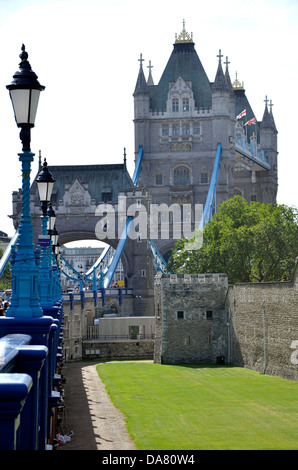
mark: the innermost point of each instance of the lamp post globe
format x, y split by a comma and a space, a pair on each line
51, 217
45, 183
24, 92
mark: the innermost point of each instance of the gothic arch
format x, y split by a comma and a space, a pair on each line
181, 175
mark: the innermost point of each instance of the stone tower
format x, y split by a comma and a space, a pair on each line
179, 123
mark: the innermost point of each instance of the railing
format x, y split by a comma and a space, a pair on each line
101, 294
251, 152
30, 362
93, 332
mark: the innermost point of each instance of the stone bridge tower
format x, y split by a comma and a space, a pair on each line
179, 122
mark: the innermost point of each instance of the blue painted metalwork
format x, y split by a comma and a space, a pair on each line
158, 260
14, 392
24, 269
136, 174
29, 362
209, 204
251, 152
44, 278
109, 273
100, 294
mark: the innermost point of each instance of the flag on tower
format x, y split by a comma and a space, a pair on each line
243, 113
251, 121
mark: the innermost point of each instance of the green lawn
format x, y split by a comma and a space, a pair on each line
203, 407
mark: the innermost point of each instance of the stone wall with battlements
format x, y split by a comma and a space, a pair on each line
191, 318
263, 321
200, 319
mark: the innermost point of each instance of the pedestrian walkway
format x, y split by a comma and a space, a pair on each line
89, 414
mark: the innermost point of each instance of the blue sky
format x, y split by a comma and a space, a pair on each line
86, 54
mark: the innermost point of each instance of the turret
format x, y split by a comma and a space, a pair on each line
141, 95
268, 134
141, 111
220, 91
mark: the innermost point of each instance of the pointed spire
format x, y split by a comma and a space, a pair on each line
141, 85
150, 79
271, 115
267, 121
220, 82
227, 74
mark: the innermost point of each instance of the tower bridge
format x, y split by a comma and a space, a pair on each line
197, 142
179, 125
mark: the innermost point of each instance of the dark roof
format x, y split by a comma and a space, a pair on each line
100, 178
241, 103
184, 62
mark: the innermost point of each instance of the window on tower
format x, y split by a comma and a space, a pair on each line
196, 128
175, 129
175, 105
158, 179
204, 177
181, 176
185, 129
165, 130
185, 104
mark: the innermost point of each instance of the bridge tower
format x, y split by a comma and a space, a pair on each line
179, 123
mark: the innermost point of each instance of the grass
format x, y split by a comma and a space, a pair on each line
203, 407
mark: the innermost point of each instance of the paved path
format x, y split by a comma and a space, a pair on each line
89, 412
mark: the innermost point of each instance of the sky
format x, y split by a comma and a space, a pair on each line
86, 55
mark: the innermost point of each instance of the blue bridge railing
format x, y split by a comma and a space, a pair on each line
96, 295
30, 379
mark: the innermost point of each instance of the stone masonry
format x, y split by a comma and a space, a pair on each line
200, 319
264, 327
191, 318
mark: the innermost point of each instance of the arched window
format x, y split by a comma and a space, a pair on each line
181, 176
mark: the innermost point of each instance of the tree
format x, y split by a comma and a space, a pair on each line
5, 281
249, 242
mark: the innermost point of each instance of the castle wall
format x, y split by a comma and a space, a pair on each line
264, 327
78, 320
118, 350
249, 325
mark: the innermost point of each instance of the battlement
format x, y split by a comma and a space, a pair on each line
207, 278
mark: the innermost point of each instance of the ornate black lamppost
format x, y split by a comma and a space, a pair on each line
24, 93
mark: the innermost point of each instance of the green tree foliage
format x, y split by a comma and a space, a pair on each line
249, 242
5, 281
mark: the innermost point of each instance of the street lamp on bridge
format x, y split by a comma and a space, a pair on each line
45, 183
24, 93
